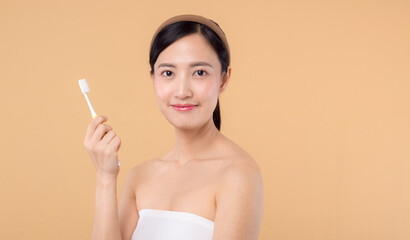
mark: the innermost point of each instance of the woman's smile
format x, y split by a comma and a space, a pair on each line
183, 108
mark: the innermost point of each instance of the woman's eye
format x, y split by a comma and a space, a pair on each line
200, 72
167, 73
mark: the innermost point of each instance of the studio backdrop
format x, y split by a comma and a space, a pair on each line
319, 96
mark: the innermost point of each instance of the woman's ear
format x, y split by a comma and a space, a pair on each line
225, 80
151, 74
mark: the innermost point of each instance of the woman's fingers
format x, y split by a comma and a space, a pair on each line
93, 125
108, 137
119, 145
99, 133
102, 145
115, 143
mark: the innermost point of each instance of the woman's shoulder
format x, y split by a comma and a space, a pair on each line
239, 157
239, 169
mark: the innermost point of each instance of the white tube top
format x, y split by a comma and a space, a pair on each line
154, 224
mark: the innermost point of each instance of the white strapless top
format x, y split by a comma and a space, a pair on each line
154, 224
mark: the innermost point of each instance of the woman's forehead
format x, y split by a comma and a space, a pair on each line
187, 50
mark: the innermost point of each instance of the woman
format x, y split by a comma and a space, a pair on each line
206, 187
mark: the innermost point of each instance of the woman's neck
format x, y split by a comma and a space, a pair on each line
194, 143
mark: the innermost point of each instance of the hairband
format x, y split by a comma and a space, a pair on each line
198, 19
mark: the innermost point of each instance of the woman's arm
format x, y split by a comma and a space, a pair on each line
106, 224
239, 203
106, 208
102, 145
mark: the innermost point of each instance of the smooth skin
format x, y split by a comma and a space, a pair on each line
205, 173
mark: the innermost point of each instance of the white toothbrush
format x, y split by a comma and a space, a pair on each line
84, 89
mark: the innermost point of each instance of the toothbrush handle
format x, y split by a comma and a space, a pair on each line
93, 114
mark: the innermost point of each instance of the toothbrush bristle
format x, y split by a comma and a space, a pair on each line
83, 85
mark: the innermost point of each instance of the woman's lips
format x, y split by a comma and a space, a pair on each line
183, 108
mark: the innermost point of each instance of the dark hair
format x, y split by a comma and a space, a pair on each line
177, 30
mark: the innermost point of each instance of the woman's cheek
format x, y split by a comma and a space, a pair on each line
210, 89
161, 90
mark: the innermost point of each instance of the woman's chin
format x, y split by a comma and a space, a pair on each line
185, 124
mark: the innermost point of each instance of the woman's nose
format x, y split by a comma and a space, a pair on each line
184, 88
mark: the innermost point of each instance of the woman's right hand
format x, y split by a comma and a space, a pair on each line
102, 145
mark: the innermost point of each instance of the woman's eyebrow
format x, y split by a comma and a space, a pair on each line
195, 64
201, 64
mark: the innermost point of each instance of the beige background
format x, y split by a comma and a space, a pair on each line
319, 96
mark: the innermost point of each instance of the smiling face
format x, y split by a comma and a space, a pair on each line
188, 72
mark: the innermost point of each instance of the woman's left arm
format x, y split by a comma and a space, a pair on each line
239, 203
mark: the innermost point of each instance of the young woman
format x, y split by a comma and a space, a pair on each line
206, 187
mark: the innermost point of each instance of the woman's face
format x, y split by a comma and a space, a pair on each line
188, 72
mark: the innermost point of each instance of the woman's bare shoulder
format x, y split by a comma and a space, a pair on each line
239, 168
238, 157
